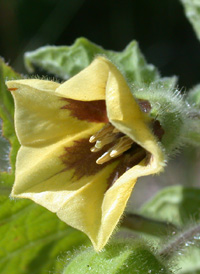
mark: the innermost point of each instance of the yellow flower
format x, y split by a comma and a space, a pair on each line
84, 143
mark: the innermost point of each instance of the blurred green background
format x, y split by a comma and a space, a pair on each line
165, 36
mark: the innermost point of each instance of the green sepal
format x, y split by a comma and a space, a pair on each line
117, 258
167, 106
66, 61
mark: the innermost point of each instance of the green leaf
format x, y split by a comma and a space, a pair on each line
179, 205
168, 107
192, 11
7, 117
117, 258
175, 204
65, 62
6, 103
4, 152
33, 238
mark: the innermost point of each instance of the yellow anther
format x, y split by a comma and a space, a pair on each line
123, 145
108, 128
104, 158
107, 135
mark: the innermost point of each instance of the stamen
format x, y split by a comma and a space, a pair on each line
108, 135
104, 158
95, 149
115, 130
123, 145
107, 139
108, 128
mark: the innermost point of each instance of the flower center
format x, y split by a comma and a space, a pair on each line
110, 135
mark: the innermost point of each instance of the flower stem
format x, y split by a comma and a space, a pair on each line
151, 226
182, 239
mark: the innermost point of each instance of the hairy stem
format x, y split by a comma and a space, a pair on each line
151, 226
181, 240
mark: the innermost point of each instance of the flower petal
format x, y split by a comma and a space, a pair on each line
88, 85
41, 170
116, 198
99, 211
124, 113
45, 180
42, 117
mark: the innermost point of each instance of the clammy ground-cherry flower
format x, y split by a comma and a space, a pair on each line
84, 143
